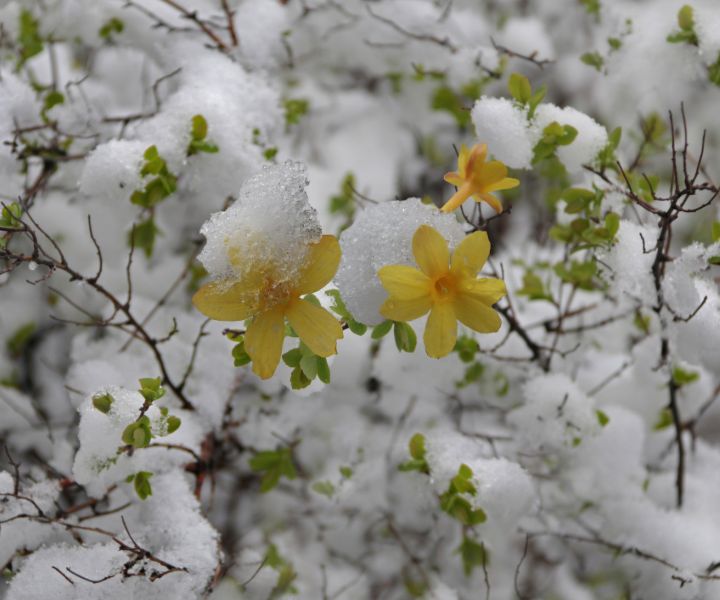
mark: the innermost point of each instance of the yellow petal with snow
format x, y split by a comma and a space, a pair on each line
264, 341
487, 290
405, 310
404, 282
440, 330
471, 254
320, 265
317, 328
223, 302
475, 314
431, 251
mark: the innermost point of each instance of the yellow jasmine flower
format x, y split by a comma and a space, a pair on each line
477, 178
270, 300
446, 287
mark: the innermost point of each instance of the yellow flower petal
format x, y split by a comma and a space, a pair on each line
431, 251
476, 314
492, 201
320, 265
487, 290
264, 341
464, 192
504, 184
440, 331
476, 160
491, 172
410, 309
404, 282
223, 302
471, 254
454, 178
463, 157
317, 328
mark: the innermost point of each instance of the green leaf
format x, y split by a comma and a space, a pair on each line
685, 18
143, 236
199, 128
467, 348
716, 231
240, 355
473, 555
298, 380
405, 338
173, 424
446, 100
323, 370
29, 38
295, 108
10, 216
273, 464
534, 288
142, 484
53, 98
714, 260
520, 88
19, 340
593, 59
602, 418
270, 153
346, 472
664, 420
324, 488
102, 402
381, 330
151, 388
114, 25
417, 446
292, 357
682, 377
308, 365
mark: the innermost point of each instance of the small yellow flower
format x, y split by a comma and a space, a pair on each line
270, 301
477, 178
445, 286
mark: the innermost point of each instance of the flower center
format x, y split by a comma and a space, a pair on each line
444, 287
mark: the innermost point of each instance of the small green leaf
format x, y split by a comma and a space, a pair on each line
114, 25
295, 108
473, 555
173, 424
324, 488
664, 420
685, 18
405, 338
682, 377
381, 330
292, 357
323, 370
520, 88
142, 484
199, 127
716, 231
102, 402
602, 418
593, 59
20, 339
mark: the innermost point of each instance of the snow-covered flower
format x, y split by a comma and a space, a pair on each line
269, 299
476, 178
446, 287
